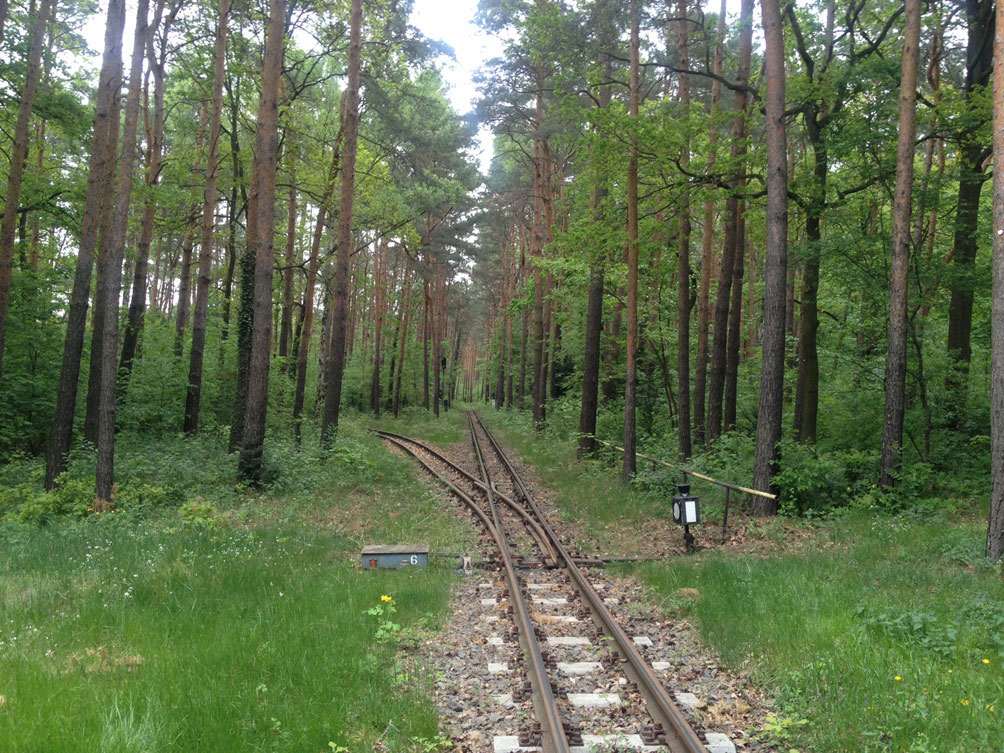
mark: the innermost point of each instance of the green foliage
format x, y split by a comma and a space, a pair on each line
198, 513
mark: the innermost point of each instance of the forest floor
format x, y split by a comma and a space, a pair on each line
200, 616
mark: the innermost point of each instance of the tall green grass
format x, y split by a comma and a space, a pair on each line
889, 637
123, 638
204, 615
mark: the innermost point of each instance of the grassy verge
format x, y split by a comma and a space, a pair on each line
206, 617
889, 637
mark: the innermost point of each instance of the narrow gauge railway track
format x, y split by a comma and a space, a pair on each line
640, 714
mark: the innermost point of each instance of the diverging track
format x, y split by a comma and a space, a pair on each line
564, 638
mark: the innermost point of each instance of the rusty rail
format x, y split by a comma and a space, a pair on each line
680, 736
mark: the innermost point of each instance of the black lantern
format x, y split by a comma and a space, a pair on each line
686, 512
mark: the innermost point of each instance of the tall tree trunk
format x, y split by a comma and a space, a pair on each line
683, 269
100, 297
266, 149
716, 391
591, 362
193, 397
768, 427
631, 351
308, 296
137, 304
404, 338
979, 61
187, 247
735, 316
899, 268
995, 528
425, 344
105, 476
234, 214
524, 334
332, 401
102, 160
707, 248
246, 313
537, 250
379, 282
18, 157
286, 323
807, 385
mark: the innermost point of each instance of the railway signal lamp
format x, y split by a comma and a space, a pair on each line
686, 512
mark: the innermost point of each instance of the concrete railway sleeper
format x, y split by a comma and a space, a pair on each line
568, 640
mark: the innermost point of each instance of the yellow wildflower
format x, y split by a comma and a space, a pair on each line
965, 702
898, 678
986, 661
385, 597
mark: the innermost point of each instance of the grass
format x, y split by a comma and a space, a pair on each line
888, 637
240, 624
450, 428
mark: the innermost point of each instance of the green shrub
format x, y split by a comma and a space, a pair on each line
198, 513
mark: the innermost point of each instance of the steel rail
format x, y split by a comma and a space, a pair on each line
680, 736
553, 739
536, 531
545, 704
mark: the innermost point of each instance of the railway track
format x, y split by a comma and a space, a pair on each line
578, 679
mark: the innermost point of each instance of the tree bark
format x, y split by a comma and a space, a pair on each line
379, 282
18, 157
308, 296
193, 397
735, 316
286, 322
716, 390
683, 269
995, 527
899, 268
105, 476
631, 350
403, 340
768, 428
137, 304
101, 161
707, 249
332, 400
246, 314
266, 150
187, 246
979, 61
100, 296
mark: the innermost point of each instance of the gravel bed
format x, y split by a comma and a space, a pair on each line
474, 699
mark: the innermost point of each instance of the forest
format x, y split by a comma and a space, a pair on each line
245, 246
721, 238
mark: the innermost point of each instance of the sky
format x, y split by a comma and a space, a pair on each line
452, 22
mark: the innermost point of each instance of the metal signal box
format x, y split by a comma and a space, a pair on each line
395, 555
